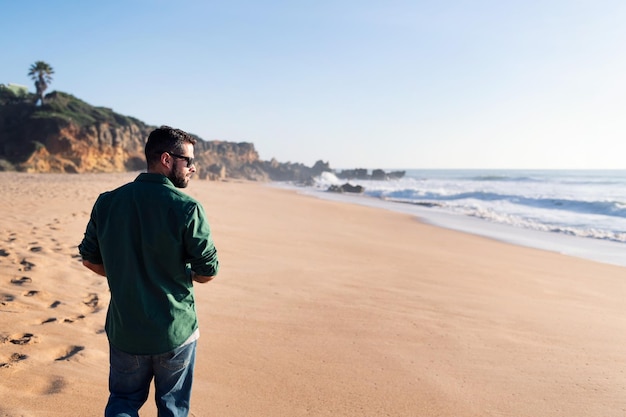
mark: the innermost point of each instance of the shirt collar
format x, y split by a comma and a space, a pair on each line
155, 178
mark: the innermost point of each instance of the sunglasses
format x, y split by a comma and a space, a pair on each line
188, 159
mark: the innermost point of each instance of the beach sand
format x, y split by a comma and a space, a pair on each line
320, 309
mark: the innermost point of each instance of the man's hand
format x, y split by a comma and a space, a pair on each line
201, 278
97, 268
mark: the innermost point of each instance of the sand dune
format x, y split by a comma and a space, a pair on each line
320, 309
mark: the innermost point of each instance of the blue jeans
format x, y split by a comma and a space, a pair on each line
130, 377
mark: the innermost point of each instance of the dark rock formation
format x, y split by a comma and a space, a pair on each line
363, 174
350, 174
346, 188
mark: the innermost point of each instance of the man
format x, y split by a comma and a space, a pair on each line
151, 241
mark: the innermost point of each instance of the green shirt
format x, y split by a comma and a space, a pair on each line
149, 235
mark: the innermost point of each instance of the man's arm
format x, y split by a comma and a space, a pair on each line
97, 268
201, 278
199, 248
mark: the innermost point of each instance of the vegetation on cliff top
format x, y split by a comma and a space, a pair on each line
19, 104
66, 107
61, 108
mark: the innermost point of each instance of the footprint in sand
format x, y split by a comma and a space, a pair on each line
54, 224
55, 304
6, 298
73, 319
36, 249
30, 293
4, 253
27, 265
69, 352
14, 358
55, 386
22, 339
91, 301
21, 281
49, 320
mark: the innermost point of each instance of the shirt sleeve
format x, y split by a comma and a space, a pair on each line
89, 248
199, 247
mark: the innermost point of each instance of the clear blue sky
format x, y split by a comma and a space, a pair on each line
375, 84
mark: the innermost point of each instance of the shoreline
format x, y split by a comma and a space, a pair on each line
604, 251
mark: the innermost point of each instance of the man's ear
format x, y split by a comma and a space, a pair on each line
166, 159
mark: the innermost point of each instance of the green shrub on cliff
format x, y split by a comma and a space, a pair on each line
66, 107
12, 94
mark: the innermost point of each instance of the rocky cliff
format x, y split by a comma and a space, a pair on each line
69, 135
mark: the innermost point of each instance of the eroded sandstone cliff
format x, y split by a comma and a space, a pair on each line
69, 135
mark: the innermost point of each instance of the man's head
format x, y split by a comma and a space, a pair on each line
169, 152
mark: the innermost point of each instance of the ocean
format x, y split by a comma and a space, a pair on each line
575, 212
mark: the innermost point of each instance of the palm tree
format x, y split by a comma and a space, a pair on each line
41, 72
